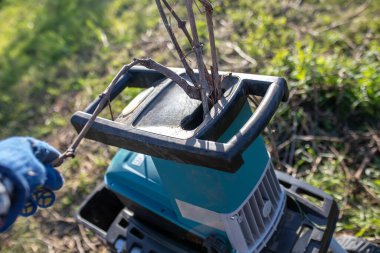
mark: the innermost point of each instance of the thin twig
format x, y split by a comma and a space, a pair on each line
274, 148
335, 25
181, 23
60, 218
315, 165
308, 138
342, 163
198, 53
70, 152
293, 143
215, 67
78, 244
289, 169
318, 138
366, 160
369, 191
192, 91
86, 239
241, 53
189, 53
377, 140
177, 47
348, 177
110, 109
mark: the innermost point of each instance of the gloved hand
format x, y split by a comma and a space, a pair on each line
26, 162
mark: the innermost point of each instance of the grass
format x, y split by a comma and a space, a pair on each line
55, 56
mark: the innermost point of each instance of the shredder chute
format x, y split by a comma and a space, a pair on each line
187, 183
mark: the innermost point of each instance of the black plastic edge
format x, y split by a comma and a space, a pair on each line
329, 211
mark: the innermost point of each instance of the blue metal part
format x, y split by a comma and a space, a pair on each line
156, 183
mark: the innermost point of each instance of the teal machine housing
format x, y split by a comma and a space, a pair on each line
162, 182
209, 177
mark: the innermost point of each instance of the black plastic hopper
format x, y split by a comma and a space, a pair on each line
168, 124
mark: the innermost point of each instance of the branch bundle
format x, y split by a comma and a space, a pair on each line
205, 88
210, 84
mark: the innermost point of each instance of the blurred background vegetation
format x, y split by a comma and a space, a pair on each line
56, 56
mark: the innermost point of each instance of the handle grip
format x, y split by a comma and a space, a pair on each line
212, 154
273, 94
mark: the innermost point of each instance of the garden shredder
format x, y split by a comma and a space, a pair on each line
182, 182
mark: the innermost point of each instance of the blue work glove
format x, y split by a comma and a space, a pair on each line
26, 162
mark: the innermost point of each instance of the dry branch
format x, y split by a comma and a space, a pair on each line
78, 244
177, 47
241, 53
215, 68
88, 242
308, 138
198, 53
359, 11
367, 159
192, 91
70, 152
181, 23
210, 80
195, 91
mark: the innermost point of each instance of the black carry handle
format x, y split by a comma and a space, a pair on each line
211, 154
227, 156
273, 94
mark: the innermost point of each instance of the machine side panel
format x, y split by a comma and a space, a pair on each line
214, 190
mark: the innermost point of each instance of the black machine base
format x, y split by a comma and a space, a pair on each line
307, 224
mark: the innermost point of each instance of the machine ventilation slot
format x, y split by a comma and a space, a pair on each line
137, 233
258, 217
123, 223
